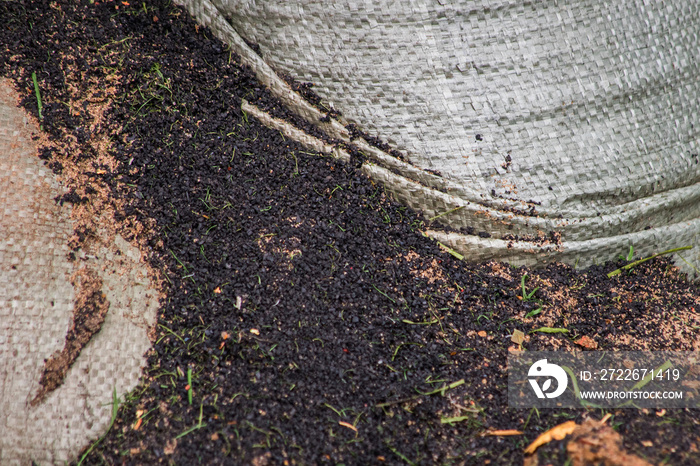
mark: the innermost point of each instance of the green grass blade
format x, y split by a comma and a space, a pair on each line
640, 261
452, 251
550, 330
115, 409
38, 94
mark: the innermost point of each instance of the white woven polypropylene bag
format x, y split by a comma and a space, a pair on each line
544, 130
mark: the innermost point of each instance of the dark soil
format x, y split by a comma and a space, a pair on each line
305, 304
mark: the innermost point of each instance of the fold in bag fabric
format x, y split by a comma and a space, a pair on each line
537, 131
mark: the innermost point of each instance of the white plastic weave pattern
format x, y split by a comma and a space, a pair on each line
570, 120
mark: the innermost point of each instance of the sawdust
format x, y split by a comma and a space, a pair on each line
431, 272
593, 443
501, 270
89, 313
285, 249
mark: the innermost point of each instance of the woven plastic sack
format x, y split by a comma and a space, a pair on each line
537, 131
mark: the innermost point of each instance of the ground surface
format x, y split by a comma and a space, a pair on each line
298, 296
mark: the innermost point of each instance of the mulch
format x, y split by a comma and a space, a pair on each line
304, 310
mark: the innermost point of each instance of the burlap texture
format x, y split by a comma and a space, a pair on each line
36, 309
